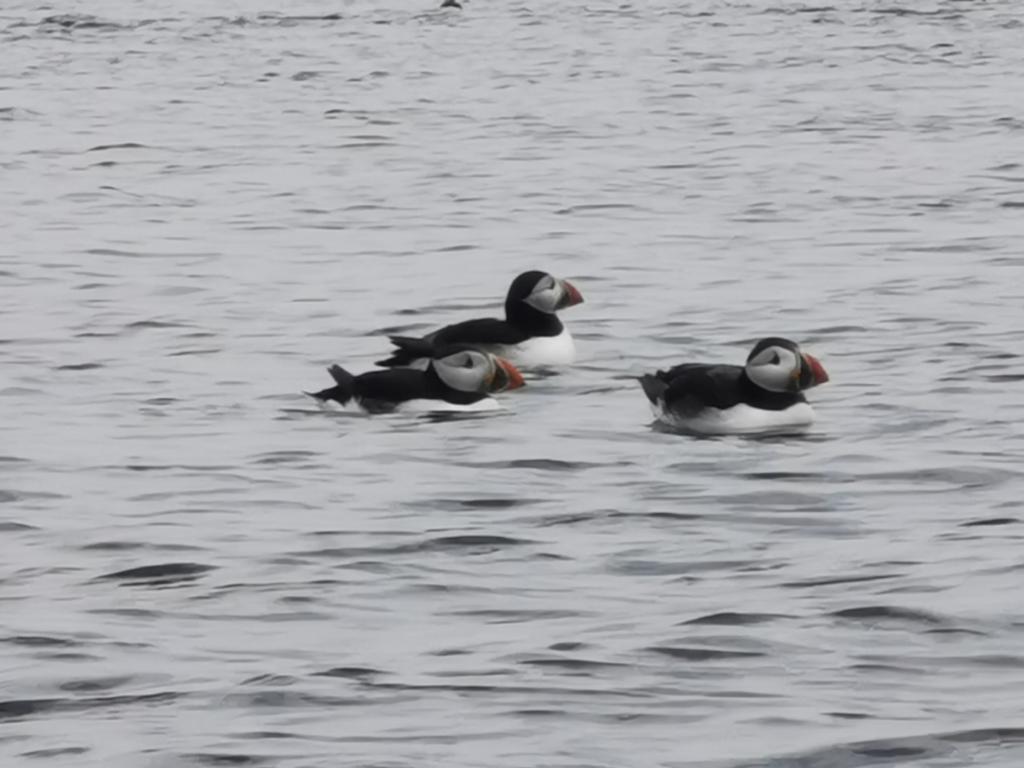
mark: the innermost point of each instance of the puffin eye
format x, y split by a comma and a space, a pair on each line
775, 358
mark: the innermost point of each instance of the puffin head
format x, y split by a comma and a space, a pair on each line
543, 292
472, 370
778, 365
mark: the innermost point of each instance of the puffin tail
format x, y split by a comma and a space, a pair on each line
408, 351
343, 389
654, 387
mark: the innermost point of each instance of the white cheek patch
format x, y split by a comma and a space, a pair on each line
766, 357
460, 378
769, 377
545, 300
774, 376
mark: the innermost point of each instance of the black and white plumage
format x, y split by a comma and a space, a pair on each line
530, 336
763, 396
457, 379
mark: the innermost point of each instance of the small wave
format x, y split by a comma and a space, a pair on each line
75, 21
880, 613
162, 574
95, 684
352, 673
40, 641
220, 759
474, 544
701, 654
895, 751
547, 465
570, 664
989, 521
838, 580
10, 526
55, 752
78, 367
517, 616
482, 503
14, 709
128, 546
730, 619
122, 145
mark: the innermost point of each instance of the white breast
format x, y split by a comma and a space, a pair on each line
739, 420
420, 405
541, 351
441, 406
536, 352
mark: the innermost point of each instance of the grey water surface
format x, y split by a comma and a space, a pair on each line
203, 205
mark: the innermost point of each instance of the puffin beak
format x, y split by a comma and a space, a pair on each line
816, 369
506, 376
570, 295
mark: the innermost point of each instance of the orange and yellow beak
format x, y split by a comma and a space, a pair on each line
570, 295
506, 376
812, 372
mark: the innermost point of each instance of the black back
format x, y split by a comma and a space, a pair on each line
693, 387
482, 332
379, 391
485, 334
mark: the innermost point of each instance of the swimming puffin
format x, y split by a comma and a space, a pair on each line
763, 396
530, 336
457, 379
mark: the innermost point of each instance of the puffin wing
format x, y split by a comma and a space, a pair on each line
694, 387
408, 349
487, 331
484, 332
383, 391
678, 370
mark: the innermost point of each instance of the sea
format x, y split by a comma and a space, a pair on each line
204, 205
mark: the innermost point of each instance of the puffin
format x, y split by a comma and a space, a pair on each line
455, 379
764, 396
530, 336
